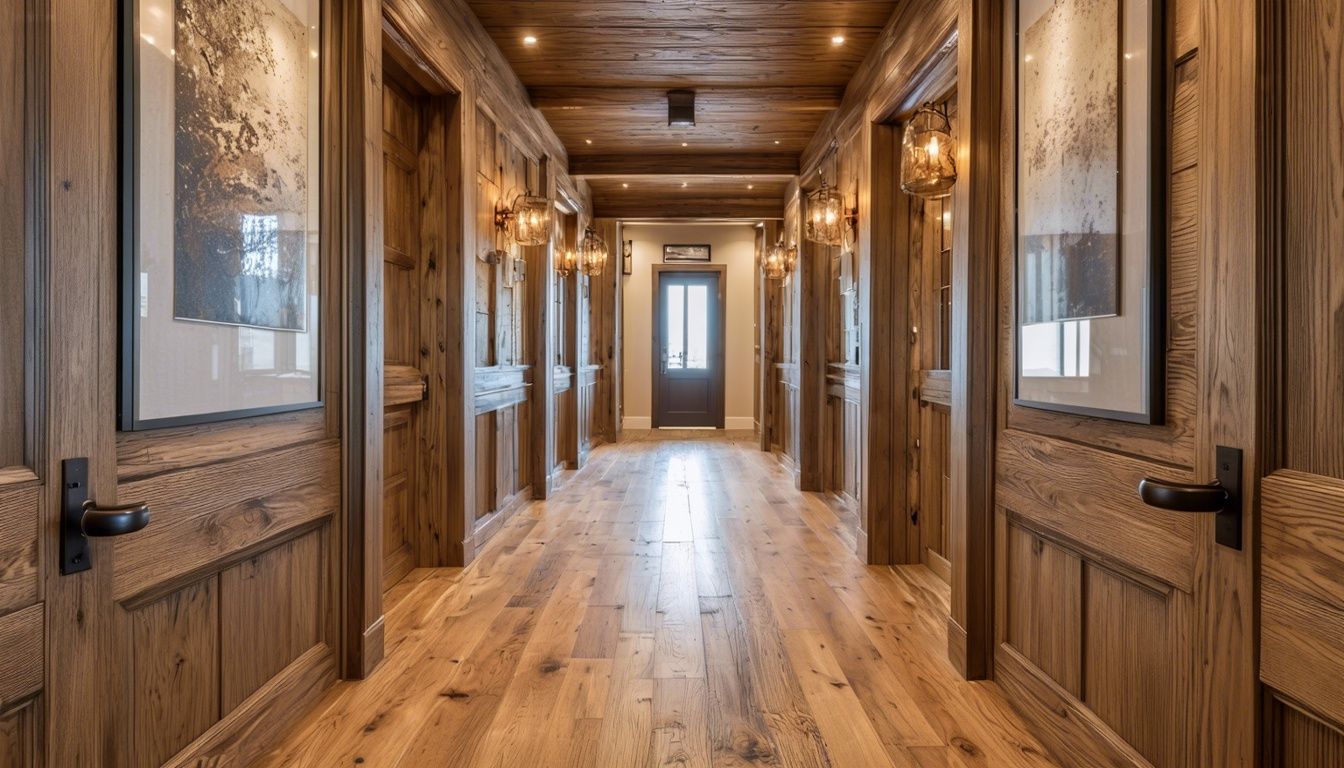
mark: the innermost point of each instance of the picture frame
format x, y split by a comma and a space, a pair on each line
686, 254
1089, 289
220, 260
628, 258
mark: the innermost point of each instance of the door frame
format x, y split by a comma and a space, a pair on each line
721, 338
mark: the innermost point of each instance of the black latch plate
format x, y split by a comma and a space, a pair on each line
75, 555
1227, 525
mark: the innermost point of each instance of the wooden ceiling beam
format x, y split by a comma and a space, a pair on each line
689, 164
708, 209
708, 101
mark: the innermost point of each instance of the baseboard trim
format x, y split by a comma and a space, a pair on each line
740, 423
637, 422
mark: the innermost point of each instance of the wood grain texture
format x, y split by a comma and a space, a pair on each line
177, 679
212, 515
16, 305
572, 637
600, 71
19, 741
22, 649
20, 575
284, 584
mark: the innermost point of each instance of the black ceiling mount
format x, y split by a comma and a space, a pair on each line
681, 108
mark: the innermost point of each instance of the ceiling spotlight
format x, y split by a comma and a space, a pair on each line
684, 144
587, 141
684, 185
838, 40
625, 186
751, 186
776, 141
532, 40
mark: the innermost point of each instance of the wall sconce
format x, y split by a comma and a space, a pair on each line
928, 154
593, 253
566, 261
527, 221
780, 261
827, 215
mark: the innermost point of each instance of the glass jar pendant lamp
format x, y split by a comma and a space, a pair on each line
779, 261
593, 253
527, 220
826, 216
928, 154
567, 261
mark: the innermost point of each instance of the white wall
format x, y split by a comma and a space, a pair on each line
730, 244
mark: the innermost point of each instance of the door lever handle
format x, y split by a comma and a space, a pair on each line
81, 517
1184, 497
1222, 496
113, 521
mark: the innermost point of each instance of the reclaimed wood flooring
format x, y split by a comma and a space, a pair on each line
675, 603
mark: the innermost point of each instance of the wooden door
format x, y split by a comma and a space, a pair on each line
200, 638
1302, 496
403, 273
688, 382
1126, 631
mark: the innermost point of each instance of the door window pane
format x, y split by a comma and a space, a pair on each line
676, 326
697, 327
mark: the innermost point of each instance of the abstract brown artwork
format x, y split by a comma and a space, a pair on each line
241, 171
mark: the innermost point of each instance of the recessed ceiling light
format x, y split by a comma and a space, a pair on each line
776, 141
751, 186
684, 185
530, 40
587, 141
684, 144
625, 186
838, 40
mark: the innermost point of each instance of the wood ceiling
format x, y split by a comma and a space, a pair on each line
765, 72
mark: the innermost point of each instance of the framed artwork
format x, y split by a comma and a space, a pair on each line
1089, 244
220, 283
628, 257
686, 254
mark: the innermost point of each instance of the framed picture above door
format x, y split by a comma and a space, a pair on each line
686, 254
1090, 235
220, 283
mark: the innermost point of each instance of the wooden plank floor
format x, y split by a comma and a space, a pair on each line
677, 602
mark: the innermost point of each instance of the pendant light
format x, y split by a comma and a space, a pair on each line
593, 253
928, 154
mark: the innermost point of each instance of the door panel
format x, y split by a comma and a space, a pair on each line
1104, 604
1302, 498
22, 492
688, 374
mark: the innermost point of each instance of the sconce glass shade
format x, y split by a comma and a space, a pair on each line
593, 253
528, 220
928, 154
826, 217
566, 262
779, 261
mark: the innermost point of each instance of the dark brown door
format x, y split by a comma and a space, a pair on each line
688, 341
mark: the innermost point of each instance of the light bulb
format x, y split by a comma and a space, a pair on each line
933, 148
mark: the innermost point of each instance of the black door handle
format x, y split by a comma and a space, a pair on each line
113, 521
1222, 496
1184, 497
81, 517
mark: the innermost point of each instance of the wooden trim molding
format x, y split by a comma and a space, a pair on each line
981, 31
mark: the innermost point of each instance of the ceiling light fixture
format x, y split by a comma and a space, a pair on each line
530, 40
838, 40
587, 141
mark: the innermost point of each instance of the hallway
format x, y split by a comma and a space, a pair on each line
676, 602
